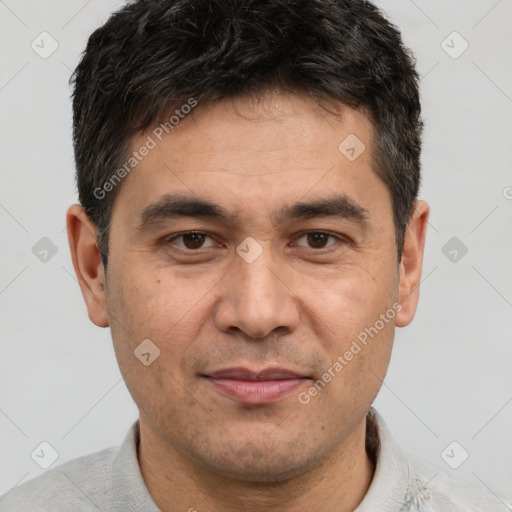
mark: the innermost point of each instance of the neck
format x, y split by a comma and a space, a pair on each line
175, 482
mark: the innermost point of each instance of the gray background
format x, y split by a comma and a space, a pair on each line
449, 378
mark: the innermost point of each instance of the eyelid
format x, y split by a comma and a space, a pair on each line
171, 238
338, 237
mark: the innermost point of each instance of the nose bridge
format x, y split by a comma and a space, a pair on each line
259, 283
257, 301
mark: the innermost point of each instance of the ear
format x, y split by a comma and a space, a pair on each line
87, 263
412, 263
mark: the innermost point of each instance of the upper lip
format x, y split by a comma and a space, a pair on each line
241, 373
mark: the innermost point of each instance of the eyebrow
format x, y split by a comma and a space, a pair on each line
334, 206
171, 206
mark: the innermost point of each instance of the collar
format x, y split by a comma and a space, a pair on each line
395, 486
129, 490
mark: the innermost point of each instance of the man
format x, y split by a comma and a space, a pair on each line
249, 230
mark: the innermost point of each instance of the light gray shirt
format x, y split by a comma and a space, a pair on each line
111, 481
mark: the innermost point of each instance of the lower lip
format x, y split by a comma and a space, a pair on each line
257, 392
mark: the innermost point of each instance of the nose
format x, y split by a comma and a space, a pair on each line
256, 298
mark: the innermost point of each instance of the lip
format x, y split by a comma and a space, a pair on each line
256, 387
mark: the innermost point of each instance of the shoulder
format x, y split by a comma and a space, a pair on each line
436, 489
79, 485
404, 483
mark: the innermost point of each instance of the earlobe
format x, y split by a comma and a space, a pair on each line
87, 263
412, 263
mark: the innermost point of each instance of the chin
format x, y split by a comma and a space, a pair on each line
264, 473
252, 465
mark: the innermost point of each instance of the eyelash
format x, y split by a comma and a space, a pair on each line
340, 239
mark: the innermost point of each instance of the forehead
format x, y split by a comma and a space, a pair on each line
257, 152
266, 129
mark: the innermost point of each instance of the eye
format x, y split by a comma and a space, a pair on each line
190, 240
318, 239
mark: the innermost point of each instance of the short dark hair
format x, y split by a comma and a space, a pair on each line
155, 55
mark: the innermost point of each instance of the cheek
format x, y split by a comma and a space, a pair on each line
169, 311
156, 303
353, 318
149, 308
350, 300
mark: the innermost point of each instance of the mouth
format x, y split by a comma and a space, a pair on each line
256, 387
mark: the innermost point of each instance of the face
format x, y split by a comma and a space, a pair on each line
253, 254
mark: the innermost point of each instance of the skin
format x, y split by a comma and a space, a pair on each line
297, 306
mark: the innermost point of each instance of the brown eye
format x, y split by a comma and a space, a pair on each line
192, 240
317, 239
